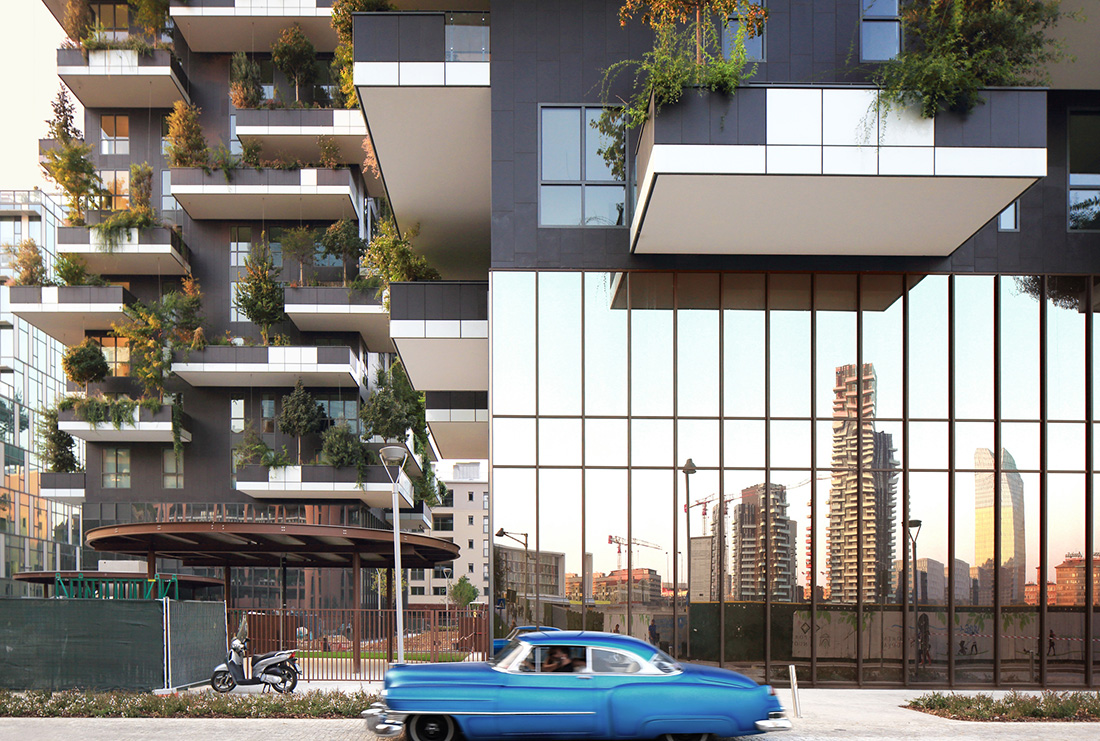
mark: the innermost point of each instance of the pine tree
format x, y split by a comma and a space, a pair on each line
186, 142
301, 415
260, 294
26, 259
55, 445
62, 126
463, 592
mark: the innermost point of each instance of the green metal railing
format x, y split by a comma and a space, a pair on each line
97, 587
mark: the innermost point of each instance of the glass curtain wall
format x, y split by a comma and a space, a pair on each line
891, 479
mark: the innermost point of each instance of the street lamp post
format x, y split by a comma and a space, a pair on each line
914, 531
688, 469
396, 455
502, 533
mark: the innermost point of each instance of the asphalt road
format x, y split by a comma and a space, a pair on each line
871, 715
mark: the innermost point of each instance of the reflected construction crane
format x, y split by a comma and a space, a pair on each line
620, 541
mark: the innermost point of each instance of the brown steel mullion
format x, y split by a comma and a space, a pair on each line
1044, 543
998, 466
813, 478
905, 503
859, 482
1089, 488
950, 475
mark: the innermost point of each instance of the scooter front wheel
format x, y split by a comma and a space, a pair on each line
222, 681
289, 680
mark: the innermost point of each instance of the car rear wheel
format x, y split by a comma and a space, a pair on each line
431, 728
686, 737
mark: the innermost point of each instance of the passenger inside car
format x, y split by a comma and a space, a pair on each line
561, 659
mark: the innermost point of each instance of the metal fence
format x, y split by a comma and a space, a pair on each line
345, 644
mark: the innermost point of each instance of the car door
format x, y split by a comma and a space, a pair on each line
534, 702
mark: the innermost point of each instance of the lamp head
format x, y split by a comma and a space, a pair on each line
500, 533
689, 467
393, 454
914, 523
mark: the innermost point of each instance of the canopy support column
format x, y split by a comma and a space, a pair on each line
356, 613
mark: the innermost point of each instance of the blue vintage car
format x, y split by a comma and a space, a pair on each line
499, 643
573, 683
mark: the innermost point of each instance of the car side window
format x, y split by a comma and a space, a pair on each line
605, 661
560, 659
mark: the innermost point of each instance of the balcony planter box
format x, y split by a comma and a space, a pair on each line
339, 309
308, 193
229, 365
154, 251
67, 312
67, 488
123, 78
713, 160
322, 482
145, 427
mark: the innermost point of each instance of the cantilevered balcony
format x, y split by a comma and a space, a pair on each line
66, 488
232, 366
338, 309
66, 313
247, 193
819, 171
441, 330
224, 25
423, 84
154, 251
324, 483
123, 78
459, 421
144, 427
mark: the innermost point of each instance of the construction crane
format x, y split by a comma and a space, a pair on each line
619, 541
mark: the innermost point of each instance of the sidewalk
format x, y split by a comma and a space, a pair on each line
855, 715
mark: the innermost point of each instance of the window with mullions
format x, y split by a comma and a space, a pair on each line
113, 20
879, 31
445, 523
755, 46
117, 352
339, 410
1084, 171
173, 470
236, 415
116, 186
576, 186
116, 468
114, 134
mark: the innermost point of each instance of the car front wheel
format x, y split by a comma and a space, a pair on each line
686, 737
431, 728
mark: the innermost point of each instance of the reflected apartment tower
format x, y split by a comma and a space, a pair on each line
862, 494
1013, 546
747, 572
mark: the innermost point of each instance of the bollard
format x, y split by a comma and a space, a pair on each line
794, 692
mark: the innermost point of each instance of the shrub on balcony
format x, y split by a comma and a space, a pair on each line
244, 81
70, 270
186, 143
260, 293
26, 260
77, 19
139, 215
295, 56
687, 52
328, 152
390, 257
954, 48
341, 447
150, 15
85, 363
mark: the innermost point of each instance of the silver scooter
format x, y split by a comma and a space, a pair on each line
277, 669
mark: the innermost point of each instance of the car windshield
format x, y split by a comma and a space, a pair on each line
665, 663
507, 654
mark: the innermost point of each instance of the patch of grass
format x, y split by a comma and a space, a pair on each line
77, 704
444, 656
1015, 706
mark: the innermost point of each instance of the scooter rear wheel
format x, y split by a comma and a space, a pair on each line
289, 681
222, 681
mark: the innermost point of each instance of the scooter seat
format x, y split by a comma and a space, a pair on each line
261, 657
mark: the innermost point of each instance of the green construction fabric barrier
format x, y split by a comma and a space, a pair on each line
197, 641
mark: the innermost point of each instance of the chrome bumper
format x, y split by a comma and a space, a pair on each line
775, 722
382, 722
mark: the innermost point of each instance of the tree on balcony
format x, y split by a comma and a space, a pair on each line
260, 293
55, 445
295, 56
113, 227
70, 270
244, 81
77, 19
26, 260
955, 48
341, 447
300, 245
341, 240
85, 363
186, 143
343, 60
301, 415
391, 259
150, 15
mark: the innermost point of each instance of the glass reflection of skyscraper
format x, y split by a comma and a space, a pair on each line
1013, 547
863, 488
748, 573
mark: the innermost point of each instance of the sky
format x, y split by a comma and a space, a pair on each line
29, 39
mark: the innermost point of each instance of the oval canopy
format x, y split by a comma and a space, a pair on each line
264, 544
